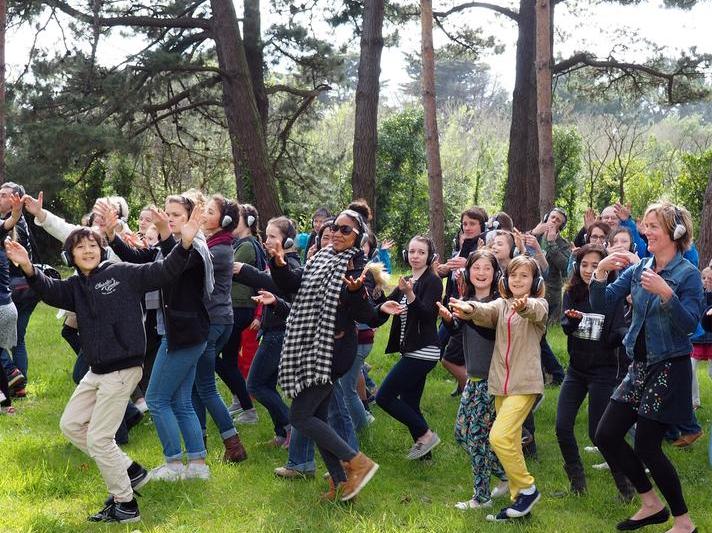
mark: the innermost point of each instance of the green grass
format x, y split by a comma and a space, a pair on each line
48, 485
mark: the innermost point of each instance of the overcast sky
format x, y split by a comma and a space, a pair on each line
593, 29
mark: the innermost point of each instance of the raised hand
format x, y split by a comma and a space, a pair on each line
519, 304
444, 312
106, 211
265, 298
160, 220
589, 218
460, 308
16, 206
387, 244
532, 242
192, 227
574, 314
540, 228
615, 261
392, 308
354, 285
277, 253
405, 285
34, 206
18, 255
622, 211
456, 262
652, 282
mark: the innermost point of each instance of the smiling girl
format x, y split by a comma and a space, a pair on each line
515, 378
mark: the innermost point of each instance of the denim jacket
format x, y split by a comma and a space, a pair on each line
669, 325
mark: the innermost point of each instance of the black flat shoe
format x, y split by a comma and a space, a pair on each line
658, 518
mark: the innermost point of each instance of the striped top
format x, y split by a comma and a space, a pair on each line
429, 353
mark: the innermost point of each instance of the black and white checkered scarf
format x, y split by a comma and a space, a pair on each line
308, 348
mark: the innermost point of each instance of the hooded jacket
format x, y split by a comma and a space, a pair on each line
108, 306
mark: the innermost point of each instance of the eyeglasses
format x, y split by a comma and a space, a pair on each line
344, 229
597, 238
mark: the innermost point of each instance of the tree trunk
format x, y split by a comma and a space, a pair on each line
243, 119
543, 89
363, 176
252, 28
521, 195
704, 241
432, 143
3, 109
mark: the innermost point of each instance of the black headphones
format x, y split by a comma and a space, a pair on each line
288, 239
680, 229
562, 213
68, 257
432, 255
537, 282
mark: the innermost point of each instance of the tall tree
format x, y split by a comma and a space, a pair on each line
195, 63
432, 141
704, 241
3, 112
543, 92
677, 78
363, 176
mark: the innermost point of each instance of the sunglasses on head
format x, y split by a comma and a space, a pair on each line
344, 229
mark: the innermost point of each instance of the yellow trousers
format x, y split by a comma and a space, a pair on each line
506, 439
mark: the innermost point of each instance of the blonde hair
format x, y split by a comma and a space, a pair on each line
669, 215
521, 261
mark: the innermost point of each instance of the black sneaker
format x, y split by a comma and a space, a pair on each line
523, 504
138, 475
121, 512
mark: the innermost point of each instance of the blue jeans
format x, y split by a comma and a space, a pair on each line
226, 362
19, 352
169, 400
349, 382
262, 380
301, 447
205, 390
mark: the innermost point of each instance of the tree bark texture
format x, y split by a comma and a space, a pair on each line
243, 118
252, 29
521, 196
3, 108
543, 90
704, 240
432, 143
363, 175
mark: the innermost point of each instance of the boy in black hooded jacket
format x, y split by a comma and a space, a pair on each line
107, 300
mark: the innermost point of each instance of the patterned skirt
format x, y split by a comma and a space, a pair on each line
661, 392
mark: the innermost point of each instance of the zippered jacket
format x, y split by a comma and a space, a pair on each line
108, 306
516, 360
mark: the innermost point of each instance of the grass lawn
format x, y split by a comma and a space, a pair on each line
48, 485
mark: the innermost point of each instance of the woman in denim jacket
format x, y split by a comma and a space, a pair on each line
667, 305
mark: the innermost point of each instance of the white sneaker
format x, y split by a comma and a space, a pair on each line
235, 408
142, 406
502, 489
591, 449
248, 416
197, 471
168, 472
601, 466
472, 504
370, 419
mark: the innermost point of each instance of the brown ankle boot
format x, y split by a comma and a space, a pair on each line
359, 471
234, 450
331, 494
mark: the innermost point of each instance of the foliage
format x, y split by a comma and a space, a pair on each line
692, 182
567, 172
402, 186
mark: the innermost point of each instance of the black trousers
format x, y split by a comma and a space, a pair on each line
610, 438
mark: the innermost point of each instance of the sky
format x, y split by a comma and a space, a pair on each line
592, 28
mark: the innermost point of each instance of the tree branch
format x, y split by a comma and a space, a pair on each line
140, 21
181, 95
494, 7
176, 111
304, 93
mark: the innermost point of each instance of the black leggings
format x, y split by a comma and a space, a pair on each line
610, 438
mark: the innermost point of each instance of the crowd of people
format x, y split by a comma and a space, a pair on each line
288, 321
